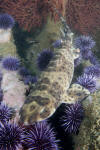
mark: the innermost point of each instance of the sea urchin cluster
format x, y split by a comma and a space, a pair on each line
93, 69
10, 136
84, 42
40, 137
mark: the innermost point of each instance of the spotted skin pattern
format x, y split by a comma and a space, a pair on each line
76, 93
51, 89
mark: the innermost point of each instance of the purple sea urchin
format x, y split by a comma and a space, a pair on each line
23, 72
40, 137
94, 60
0, 76
73, 117
30, 79
6, 113
11, 63
44, 58
10, 137
87, 81
1, 95
57, 44
78, 60
86, 54
6, 21
93, 69
84, 42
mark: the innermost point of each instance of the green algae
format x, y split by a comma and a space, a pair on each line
89, 133
8, 48
28, 50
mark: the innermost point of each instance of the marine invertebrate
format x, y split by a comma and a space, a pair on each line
93, 60
30, 79
73, 117
31, 14
6, 21
86, 54
44, 58
0, 76
87, 81
78, 60
10, 136
84, 42
23, 72
93, 69
10, 63
87, 22
39, 137
6, 113
1, 94
57, 43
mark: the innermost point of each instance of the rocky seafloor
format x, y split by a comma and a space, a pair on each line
49, 87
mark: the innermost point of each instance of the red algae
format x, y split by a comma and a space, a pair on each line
83, 15
32, 14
